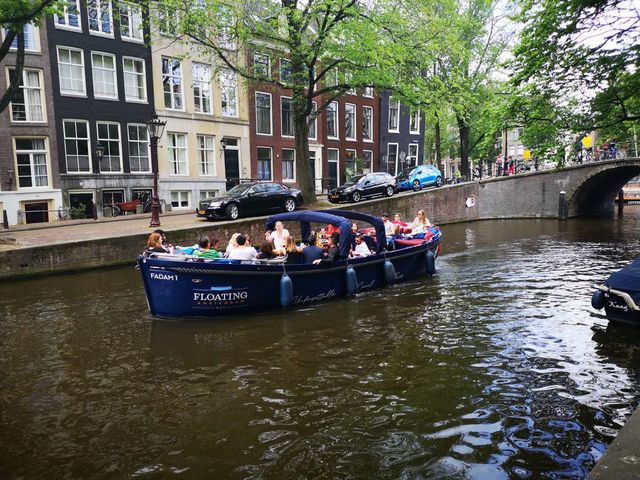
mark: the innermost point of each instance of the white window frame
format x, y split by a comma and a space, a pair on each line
204, 194
100, 32
354, 129
132, 9
30, 32
100, 140
337, 122
270, 179
395, 163
26, 103
268, 57
65, 15
224, 92
88, 140
415, 157
81, 66
355, 157
397, 127
336, 161
293, 125
142, 75
367, 92
180, 199
287, 180
314, 108
370, 168
129, 142
170, 76
270, 114
419, 118
364, 119
203, 152
201, 83
171, 149
47, 162
114, 72
284, 60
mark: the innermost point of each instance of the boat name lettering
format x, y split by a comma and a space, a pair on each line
299, 299
219, 297
624, 308
164, 276
363, 286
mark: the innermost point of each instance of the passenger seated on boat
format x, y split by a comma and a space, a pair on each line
232, 244
243, 251
154, 244
294, 253
279, 236
266, 250
361, 249
389, 230
420, 225
167, 246
312, 251
205, 250
333, 252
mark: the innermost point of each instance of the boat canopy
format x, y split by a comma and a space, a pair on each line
627, 279
305, 218
375, 222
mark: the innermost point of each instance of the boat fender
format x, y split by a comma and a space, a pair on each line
286, 290
351, 281
430, 260
597, 299
389, 272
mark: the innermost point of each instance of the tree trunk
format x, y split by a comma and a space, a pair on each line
304, 175
438, 143
463, 128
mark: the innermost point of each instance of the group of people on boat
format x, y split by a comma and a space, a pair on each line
322, 247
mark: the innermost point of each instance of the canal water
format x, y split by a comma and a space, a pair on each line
495, 368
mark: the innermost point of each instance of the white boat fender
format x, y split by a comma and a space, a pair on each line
286, 290
430, 260
351, 280
389, 272
597, 299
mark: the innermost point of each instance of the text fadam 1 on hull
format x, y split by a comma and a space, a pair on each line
183, 286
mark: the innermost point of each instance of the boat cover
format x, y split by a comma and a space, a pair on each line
627, 279
305, 217
376, 222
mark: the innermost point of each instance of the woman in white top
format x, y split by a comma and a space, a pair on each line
279, 236
420, 224
232, 244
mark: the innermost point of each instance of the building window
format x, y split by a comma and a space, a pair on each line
109, 137
104, 75
206, 155
331, 78
392, 158
368, 92
168, 20
414, 122
111, 197
206, 194
26, 105
264, 163
228, 92
313, 124
285, 70
261, 65
412, 157
31, 157
172, 83
367, 124
333, 159
71, 71
177, 147
263, 113
70, 16
201, 87
131, 22
288, 164
31, 43
100, 17
350, 162
180, 199
135, 87
350, 121
286, 116
367, 161
76, 146
394, 114
332, 120
226, 28
138, 148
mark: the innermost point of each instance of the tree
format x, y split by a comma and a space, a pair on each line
14, 15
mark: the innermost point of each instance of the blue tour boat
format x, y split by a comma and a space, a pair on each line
620, 295
179, 285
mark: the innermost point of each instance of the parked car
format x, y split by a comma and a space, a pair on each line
417, 177
255, 198
364, 186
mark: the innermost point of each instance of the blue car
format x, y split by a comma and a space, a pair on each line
417, 177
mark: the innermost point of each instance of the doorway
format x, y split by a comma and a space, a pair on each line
36, 212
82, 200
231, 162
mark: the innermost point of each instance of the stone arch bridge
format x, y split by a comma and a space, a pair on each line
589, 189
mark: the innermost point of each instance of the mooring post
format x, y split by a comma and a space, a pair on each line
5, 219
620, 202
562, 206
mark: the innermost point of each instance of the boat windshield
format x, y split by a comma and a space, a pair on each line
354, 180
238, 190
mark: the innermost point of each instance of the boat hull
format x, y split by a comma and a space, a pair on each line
618, 311
199, 289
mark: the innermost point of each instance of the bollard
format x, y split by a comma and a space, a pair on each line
5, 219
94, 211
620, 202
562, 206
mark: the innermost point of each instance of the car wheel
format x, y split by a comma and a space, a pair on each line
232, 211
416, 186
355, 197
389, 191
289, 205
439, 182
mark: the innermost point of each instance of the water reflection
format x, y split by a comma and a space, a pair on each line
490, 369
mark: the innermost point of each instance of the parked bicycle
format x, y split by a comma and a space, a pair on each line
121, 208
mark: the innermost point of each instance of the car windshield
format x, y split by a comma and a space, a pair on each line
238, 190
407, 172
354, 180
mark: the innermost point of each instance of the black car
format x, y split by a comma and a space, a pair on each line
253, 198
363, 186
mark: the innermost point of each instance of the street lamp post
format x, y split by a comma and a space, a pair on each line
155, 127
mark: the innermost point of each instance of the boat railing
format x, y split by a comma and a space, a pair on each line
624, 295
